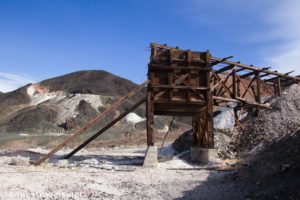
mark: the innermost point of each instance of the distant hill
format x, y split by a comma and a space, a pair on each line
90, 82
77, 97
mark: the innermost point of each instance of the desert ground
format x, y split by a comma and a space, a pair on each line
113, 173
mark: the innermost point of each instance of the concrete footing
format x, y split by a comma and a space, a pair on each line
202, 155
151, 157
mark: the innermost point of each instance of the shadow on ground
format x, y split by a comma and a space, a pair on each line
117, 160
219, 186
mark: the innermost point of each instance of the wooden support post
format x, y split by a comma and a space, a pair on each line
150, 117
238, 86
209, 129
258, 92
215, 83
195, 126
236, 115
279, 89
234, 84
170, 82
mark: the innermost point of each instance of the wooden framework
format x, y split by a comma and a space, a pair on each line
188, 83
181, 81
195, 84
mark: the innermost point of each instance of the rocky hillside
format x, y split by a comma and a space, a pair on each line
61, 104
90, 82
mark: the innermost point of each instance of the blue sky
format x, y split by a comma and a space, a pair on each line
40, 39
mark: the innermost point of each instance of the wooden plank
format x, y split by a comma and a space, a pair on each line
258, 88
223, 84
187, 84
224, 69
225, 99
209, 115
181, 87
254, 103
225, 81
279, 89
113, 122
274, 79
248, 87
80, 131
218, 62
253, 73
170, 82
180, 67
234, 84
256, 69
150, 117
258, 92
189, 94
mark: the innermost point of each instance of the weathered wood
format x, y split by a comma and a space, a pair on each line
274, 79
234, 84
220, 61
279, 89
92, 122
209, 115
223, 84
258, 92
248, 87
224, 69
150, 117
113, 122
182, 87
170, 82
256, 69
226, 99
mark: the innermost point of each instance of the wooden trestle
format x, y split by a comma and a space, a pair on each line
195, 84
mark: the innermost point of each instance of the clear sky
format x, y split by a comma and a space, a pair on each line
40, 39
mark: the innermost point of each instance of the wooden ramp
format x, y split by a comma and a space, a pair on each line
82, 130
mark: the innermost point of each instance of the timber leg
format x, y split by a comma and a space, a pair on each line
150, 118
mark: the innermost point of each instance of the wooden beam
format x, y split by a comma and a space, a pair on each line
248, 87
274, 79
209, 128
80, 131
279, 89
256, 69
224, 69
220, 61
234, 84
168, 67
150, 117
89, 140
222, 83
253, 73
258, 92
182, 87
254, 103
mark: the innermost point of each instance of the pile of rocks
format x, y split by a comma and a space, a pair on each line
271, 124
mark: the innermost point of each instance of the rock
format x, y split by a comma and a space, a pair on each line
89, 162
64, 163
19, 161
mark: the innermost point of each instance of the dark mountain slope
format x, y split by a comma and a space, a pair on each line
90, 82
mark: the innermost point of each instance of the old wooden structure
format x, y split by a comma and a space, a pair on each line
180, 80
195, 84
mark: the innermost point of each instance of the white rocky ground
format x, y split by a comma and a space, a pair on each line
109, 174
